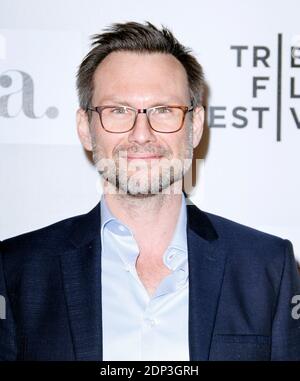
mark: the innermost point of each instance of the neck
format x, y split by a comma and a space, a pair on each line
152, 218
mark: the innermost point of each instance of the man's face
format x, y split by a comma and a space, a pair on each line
140, 160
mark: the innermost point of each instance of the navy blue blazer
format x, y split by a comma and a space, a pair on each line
240, 290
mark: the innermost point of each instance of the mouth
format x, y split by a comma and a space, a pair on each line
143, 157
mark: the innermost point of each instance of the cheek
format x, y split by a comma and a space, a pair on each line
182, 141
104, 144
176, 143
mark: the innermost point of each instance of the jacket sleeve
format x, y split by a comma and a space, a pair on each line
286, 322
8, 348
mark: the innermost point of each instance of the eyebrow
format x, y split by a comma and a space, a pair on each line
122, 102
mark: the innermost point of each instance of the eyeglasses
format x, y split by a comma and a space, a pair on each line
120, 119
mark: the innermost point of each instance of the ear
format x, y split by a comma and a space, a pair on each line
198, 122
83, 129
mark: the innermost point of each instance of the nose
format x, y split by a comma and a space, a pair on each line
142, 132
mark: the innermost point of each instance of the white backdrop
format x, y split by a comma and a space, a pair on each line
251, 170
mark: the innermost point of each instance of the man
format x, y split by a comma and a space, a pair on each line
143, 276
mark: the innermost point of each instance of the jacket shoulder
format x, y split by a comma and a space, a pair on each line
252, 254
47, 239
241, 241
231, 229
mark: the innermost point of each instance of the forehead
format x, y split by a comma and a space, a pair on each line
140, 75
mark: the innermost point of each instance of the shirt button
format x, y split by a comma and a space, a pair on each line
121, 228
151, 322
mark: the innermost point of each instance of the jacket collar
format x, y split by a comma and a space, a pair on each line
87, 226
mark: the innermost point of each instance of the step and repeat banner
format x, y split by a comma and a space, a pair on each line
250, 52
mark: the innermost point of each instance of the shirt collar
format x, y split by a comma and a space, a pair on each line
179, 237
108, 220
178, 244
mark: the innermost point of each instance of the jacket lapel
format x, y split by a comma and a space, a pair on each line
206, 268
81, 271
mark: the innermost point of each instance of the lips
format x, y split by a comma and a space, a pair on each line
143, 157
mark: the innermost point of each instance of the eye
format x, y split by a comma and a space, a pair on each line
163, 110
119, 110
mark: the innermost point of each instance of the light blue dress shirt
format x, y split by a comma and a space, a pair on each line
135, 325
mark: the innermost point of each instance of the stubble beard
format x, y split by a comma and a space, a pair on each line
143, 178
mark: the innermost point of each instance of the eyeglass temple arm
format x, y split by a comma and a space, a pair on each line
90, 109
